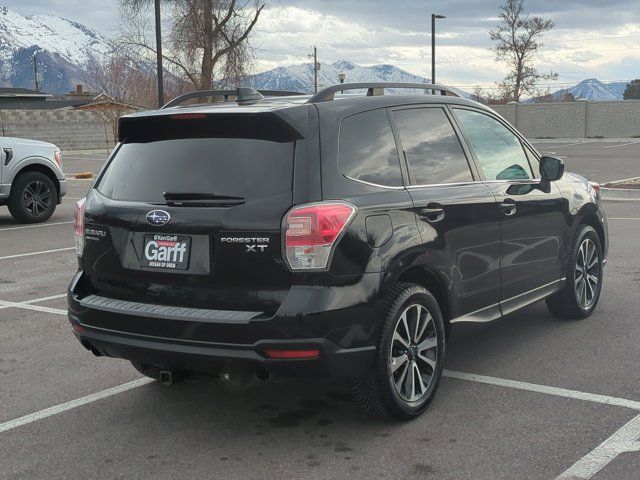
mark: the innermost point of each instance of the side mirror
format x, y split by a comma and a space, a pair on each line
551, 169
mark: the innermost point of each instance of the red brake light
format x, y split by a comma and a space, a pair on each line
78, 225
58, 158
188, 116
310, 233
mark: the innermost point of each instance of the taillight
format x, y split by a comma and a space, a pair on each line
596, 187
78, 225
58, 158
311, 232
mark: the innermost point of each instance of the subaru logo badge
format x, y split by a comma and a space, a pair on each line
158, 217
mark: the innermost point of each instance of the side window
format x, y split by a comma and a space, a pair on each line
499, 151
432, 148
367, 149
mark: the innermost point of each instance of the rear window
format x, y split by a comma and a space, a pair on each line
368, 150
239, 167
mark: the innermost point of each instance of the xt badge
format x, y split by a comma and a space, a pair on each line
251, 244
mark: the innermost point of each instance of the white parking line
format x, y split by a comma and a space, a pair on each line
63, 407
555, 391
37, 253
627, 439
28, 306
623, 145
44, 299
35, 226
8, 304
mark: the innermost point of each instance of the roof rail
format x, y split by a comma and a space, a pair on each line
377, 88
241, 95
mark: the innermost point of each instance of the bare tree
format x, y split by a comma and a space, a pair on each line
478, 94
517, 40
120, 84
208, 40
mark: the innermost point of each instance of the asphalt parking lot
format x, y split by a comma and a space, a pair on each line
526, 397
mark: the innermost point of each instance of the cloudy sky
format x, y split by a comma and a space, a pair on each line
592, 38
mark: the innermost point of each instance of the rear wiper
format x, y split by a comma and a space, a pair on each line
201, 199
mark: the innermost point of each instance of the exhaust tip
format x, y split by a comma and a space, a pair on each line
262, 373
91, 348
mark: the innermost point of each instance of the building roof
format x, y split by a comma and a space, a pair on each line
47, 105
22, 92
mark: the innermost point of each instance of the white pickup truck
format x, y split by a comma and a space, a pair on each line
32, 182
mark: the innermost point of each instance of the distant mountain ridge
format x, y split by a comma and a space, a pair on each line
63, 48
594, 90
299, 77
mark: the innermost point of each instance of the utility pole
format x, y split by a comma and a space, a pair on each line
159, 54
35, 70
316, 67
433, 45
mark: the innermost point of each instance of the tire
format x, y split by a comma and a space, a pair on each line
154, 372
386, 389
580, 295
33, 198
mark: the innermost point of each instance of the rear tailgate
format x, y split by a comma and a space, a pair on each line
188, 213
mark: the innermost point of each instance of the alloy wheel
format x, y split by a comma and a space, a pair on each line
587, 273
414, 353
37, 198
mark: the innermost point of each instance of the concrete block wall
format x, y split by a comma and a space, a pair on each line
581, 119
613, 119
67, 128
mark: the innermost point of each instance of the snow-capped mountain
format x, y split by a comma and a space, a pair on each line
594, 90
299, 78
63, 48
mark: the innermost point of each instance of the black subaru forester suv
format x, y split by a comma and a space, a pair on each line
325, 236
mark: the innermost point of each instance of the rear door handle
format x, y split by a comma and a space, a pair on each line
432, 213
508, 207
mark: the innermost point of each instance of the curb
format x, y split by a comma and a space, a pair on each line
620, 193
103, 151
584, 140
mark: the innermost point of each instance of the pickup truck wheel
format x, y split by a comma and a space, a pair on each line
33, 198
584, 276
410, 356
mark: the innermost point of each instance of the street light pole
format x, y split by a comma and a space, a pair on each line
159, 54
35, 71
433, 45
316, 67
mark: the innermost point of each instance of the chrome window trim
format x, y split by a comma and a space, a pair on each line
388, 187
527, 181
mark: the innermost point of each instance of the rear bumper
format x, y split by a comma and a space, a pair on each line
340, 327
332, 361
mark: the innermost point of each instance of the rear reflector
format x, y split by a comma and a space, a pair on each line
79, 329
289, 354
311, 232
